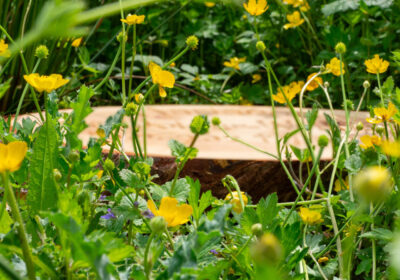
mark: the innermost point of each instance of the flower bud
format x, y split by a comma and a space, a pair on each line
340, 48
360, 126
42, 52
192, 42
139, 97
260, 46
366, 84
120, 36
256, 229
267, 250
101, 132
200, 125
216, 121
379, 129
323, 141
73, 156
373, 183
326, 84
130, 109
108, 165
158, 224
350, 104
57, 174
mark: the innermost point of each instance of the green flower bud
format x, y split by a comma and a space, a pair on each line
120, 36
379, 129
57, 174
366, 84
192, 42
158, 224
260, 46
256, 229
326, 84
200, 125
340, 48
130, 109
350, 104
108, 165
42, 52
323, 141
360, 126
216, 121
73, 156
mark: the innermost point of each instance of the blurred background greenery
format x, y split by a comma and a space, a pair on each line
225, 31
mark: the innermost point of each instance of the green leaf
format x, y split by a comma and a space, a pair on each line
5, 222
379, 234
353, 163
267, 210
4, 87
388, 86
311, 116
42, 193
345, 5
130, 178
177, 149
81, 109
248, 219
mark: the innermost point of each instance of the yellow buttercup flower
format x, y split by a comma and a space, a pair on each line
235, 201
382, 114
77, 42
391, 148
133, 19
334, 67
289, 91
234, 62
45, 83
376, 65
162, 78
256, 78
12, 155
256, 7
173, 214
209, 4
370, 141
310, 217
315, 83
295, 87
341, 185
294, 20
4, 51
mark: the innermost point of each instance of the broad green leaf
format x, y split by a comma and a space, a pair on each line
379, 234
42, 193
267, 210
353, 163
5, 222
81, 109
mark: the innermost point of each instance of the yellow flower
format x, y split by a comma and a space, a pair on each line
45, 83
310, 217
295, 87
256, 7
12, 155
294, 20
209, 4
235, 201
391, 148
376, 65
172, 65
256, 78
315, 83
341, 185
369, 141
77, 42
101, 132
334, 66
289, 92
162, 78
298, 3
133, 19
4, 51
382, 114
234, 62
373, 183
173, 214
323, 259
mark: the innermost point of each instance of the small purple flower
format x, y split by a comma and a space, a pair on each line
214, 252
136, 204
103, 197
109, 215
148, 214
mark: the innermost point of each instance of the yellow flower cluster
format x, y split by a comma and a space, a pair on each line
303, 4
234, 62
334, 67
173, 214
256, 7
368, 141
45, 83
235, 201
391, 148
12, 155
4, 51
256, 78
383, 114
294, 20
133, 19
376, 65
314, 83
162, 78
310, 217
290, 91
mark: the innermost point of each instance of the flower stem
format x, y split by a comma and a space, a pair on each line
26, 250
133, 60
380, 89
373, 246
147, 264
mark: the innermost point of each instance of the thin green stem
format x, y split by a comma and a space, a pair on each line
26, 250
105, 79
147, 263
373, 247
380, 89
133, 60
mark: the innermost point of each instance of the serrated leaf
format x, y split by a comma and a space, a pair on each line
42, 193
177, 149
353, 163
311, 116
379, 234
129, 178
267, 210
